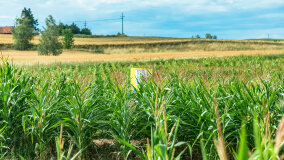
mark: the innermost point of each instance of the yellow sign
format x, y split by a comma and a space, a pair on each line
137, 75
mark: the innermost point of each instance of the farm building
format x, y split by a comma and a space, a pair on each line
6, 30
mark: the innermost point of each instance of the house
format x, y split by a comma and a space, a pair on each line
6, 30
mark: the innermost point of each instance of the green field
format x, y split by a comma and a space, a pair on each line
93, 109
268, 39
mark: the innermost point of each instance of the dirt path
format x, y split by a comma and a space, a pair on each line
31, 57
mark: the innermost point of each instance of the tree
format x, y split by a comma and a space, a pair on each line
49, 44
121, 35
208, 36
23, 34
67, 38
75, 29
61, 26
27, 13
86, 31
214, 37
197, 36
118, 34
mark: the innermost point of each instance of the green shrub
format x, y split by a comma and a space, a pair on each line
68, 41
86, 31
22, 34
49, 43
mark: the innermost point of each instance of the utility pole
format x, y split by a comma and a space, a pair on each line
122, 17
85, 24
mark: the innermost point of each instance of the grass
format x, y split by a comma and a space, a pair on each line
175, 109
7, 39
71, 56
137, 49
267, 39
184, 47
150, 44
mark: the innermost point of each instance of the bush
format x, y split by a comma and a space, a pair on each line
121, 35
86, 31
67, 38
75, 28
49, 44
208, 36
22, 34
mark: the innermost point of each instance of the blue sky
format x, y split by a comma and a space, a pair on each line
228, 19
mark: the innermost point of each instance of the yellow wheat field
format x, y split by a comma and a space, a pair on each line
133, 54
8, 39
32, 58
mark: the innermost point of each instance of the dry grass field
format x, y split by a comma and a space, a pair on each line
32, 58
7, 39
117, 49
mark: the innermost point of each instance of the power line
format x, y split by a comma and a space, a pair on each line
99, 20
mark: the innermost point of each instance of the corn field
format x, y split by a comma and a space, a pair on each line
207, 108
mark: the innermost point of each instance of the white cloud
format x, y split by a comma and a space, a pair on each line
6, 17
186, 5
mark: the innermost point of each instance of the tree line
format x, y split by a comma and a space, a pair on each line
74, 28
207, 36
26, 27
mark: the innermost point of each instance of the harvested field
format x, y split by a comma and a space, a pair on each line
8, 39
68, 56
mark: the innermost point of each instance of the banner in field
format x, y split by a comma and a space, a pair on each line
137, 75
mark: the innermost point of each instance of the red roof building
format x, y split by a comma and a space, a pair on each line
6, 30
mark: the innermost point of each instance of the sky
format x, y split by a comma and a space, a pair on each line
228, 19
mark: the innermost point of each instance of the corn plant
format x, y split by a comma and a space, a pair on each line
266, 148
41, 117
163, 141
176, 106
123, 117
14, 93
59, 141
80, 116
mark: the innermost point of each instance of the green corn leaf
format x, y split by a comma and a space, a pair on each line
203, 150
131, 147
243, 151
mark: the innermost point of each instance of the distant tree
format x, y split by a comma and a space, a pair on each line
67, 38
86, 31
214, 37
75, 29
208, 36
118, 34
49, 43
27, 13
23, 34
61, 26
121, 35
197, 36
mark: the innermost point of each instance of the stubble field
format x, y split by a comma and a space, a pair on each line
139, 48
